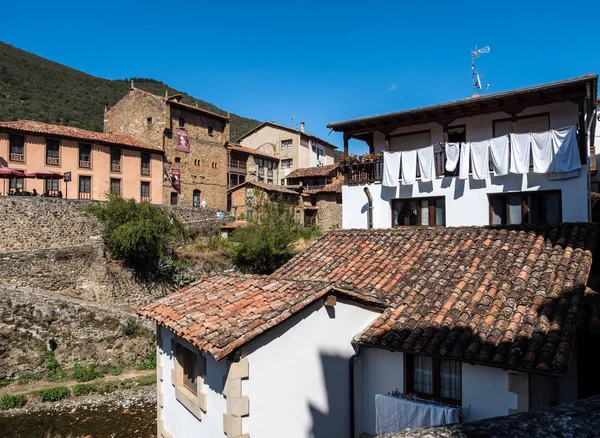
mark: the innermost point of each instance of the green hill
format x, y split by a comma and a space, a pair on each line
35, 88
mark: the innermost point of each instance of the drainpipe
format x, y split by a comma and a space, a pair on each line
370, 212
352, 359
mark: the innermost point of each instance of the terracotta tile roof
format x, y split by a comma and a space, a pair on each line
32, 127
234, 225
268, 187
288, 129
313, 171
221, 313
499, 296
334, 187
234, 147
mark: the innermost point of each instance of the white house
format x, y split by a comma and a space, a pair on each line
296, 149
469, 201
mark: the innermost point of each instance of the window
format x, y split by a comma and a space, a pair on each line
16, 184
173, 198
418, 211
210, 131
196, 195
435, 379
214, 165
52, 152
177, 160
115, 160
287, 164
17, 148
526, 208
270, 180
286, 144
145, 163
115, 186
531, 123
145, 195
338, 199
51, 186
187, 378
181, 122
85, 156
148, 121
85, 187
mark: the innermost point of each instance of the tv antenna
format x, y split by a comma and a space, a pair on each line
293, 118
476, 78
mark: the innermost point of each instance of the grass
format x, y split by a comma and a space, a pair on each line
82, 389
31, 377
85, 374
148, 362
55, 394
9, 401
113, 370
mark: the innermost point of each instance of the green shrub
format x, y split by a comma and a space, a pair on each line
148, 362
9, 401
105, 387
268, 240
131, 327
54, 370
4, 382
85, 374
26, 378
113, 370
137, 233
82, 389
55, 394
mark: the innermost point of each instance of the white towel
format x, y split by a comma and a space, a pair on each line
519, 153
566, 153
409, 167
465, 159
452, 154
426, 163
541, 150
480, 159
499, 151
391, 169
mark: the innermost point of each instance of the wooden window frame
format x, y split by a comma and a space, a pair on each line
110, 182
194, 401
79, 192
524, 204
120, 160
79, 160
10, 153
46, 140
431, 208
436, 380
142, 197
145, 171
509, 119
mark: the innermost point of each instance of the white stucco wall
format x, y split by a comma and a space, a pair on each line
178, 421
467, 201
299, 374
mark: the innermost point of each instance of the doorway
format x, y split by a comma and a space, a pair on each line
173, 198
196, 198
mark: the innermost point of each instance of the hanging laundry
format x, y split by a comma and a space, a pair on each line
541, 151
452, 154
519, 153
409, 167
566, 152
480, 159
426, 163
465, 160
391, 169
500, 157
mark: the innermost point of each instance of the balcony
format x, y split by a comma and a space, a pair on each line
85, 164
237, 166
53, 161
146, 171
17, 157
115, 167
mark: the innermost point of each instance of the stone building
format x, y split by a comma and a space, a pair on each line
295, 149
313, 178
192, 138
247, 164
244, 197
99, 163
323, 207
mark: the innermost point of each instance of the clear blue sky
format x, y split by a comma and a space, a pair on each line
319, 61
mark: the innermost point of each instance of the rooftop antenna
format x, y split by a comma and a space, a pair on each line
293, 118
476, 78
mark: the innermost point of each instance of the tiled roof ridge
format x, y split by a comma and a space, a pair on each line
287, 128
169, 100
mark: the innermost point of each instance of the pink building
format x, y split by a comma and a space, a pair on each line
99, 163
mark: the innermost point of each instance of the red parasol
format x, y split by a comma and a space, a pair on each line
8, 173
44, 174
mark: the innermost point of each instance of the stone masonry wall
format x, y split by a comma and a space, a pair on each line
329, 216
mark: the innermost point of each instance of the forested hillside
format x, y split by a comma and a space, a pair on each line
35, 88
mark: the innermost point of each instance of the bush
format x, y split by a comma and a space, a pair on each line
148, 362
82, 389
54, 370
105, 387
137, 233
268, 240
85, 374
131, 327
55, 394
9, 401
113, 370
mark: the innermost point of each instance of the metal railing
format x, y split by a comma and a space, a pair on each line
145, 170
85, 164
17, 157
115, 167
53, 161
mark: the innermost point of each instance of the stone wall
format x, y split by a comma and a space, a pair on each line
329, 216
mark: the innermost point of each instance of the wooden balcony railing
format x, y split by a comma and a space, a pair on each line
53, 161
85, 195
85, 164
115, 167
237, 165
17, 157
145, 171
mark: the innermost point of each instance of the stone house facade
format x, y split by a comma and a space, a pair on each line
323, 207
193, 139
247, 164
244, 197
295, 149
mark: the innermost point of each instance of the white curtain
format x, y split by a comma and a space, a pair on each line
499, 148
465, 159
398, 206
519, 153
541, 150
423, 377
452, 154
480, 159
450, 379
409, 167
391, 168
426, 163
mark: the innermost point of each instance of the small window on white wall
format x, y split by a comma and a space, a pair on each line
189, 367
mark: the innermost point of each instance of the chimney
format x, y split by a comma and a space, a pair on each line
302, 127
131, 87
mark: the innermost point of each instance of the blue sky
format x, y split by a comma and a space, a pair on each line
318, 61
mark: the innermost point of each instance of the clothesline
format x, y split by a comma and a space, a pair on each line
554, 151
